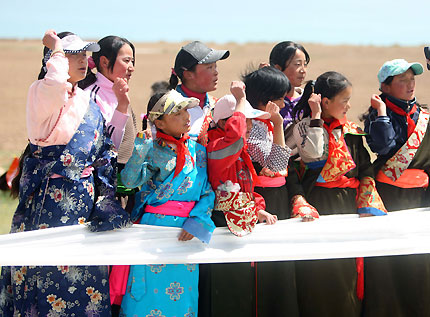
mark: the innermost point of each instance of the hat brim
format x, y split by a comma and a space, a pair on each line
252, 113
417, 68
187, 103
214, 56
89, 46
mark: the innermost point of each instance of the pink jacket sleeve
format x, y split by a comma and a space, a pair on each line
53, 111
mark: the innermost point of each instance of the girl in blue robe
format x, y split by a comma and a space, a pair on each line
175, 193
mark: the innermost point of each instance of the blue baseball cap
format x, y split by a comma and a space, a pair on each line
397, 67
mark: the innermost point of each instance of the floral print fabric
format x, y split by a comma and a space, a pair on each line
167, 290
65, 199
400, 161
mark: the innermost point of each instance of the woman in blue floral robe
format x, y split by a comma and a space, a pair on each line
63, 184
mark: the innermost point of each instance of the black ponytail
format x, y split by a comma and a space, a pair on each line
302, 109
178, 74
14, 191
151, 103
173, 81
328, 85
88, 80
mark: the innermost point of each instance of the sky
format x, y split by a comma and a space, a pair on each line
365, 22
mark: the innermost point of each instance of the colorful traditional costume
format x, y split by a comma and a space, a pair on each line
398, 286
228, 289
175, 193
338, 180
66, 180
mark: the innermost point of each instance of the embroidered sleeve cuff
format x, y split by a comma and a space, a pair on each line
198, 229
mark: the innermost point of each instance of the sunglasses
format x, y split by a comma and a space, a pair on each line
427, 54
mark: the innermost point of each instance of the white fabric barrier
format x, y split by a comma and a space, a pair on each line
339, 236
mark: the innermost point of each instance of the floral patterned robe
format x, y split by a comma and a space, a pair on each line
56, 191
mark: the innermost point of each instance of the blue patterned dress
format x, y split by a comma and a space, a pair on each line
62, 201
167, 290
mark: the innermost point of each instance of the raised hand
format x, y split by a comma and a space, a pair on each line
275, 116
377, 104
52, 41
315, 105
237, 89
120, 88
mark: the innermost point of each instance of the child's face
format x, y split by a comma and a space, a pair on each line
221, 124
338, 106
203, 79
123, 67
175, 124
402, 86
78, 64
296, 69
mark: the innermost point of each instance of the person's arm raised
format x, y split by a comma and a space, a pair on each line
237, 89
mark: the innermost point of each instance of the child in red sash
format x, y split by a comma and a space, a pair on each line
228, 289
397, 128
338, 180
230, 168
172, 173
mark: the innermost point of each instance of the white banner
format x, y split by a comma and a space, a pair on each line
337, 236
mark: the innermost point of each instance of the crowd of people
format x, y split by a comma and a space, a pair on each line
268, 150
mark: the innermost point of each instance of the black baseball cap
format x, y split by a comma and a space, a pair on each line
197, 53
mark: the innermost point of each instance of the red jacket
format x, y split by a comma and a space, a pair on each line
227, 157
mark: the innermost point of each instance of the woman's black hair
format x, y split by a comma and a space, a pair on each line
174, 77
328, 85
45, 51
109, 48
264, 85
151, 103
3, 183
14, 190
283, 52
